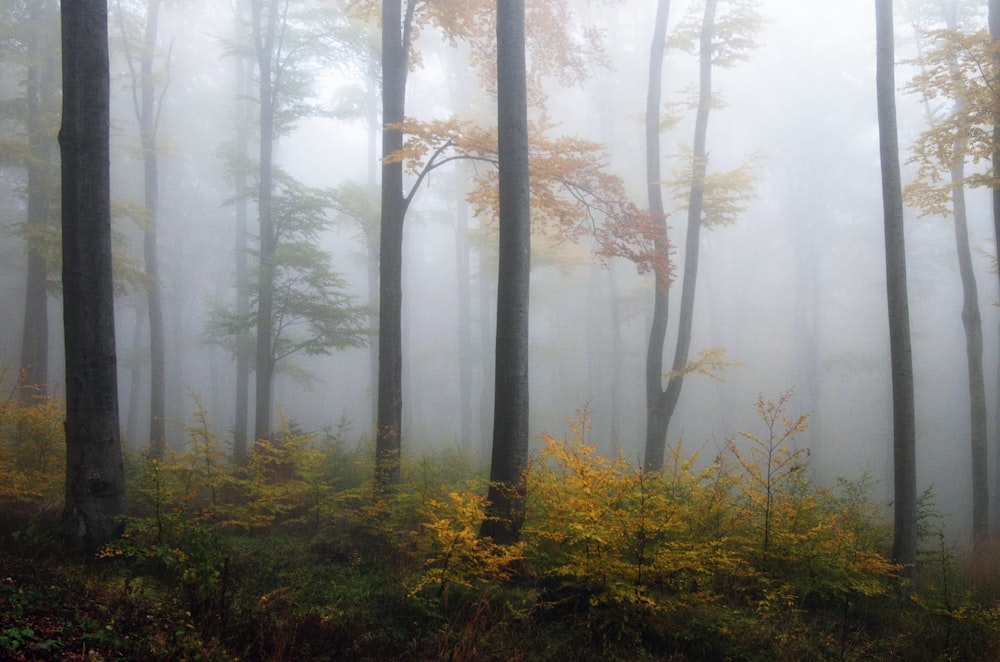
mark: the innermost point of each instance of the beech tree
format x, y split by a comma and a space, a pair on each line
33, 44
95, 477
904, 544
148, 89
505, 512
946, 69
723, 35
312, 311
471, 22
288, 37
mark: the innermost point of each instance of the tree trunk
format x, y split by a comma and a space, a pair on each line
264, 35
147, 111
904, 544
994, 25
505, 513
971, 322
395, 55
656, 423
371, 239
40, 93
95, 477
244, 343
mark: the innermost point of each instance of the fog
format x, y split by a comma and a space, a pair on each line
794, 291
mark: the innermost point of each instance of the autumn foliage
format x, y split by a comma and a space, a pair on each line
729, 552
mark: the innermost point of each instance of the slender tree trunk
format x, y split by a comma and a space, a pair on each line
617, 358
372, 242
656, 419
692, 242
971, 321
39, 90
95, 477
487, 347
505, 513
395, 52
464, 324
904, 546
994, 26
244, 342
147, 111
264, 37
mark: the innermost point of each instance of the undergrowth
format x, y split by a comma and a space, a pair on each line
737, 556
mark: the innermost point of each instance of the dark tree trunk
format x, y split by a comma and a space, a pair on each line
904, 545
505, 513
95, 480
40, 93
395, 56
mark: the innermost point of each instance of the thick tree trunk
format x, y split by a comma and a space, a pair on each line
904, 545
95, 480
395, 49
41, 82
505, 513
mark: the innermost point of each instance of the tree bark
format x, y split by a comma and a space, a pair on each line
395, 56
505, 513
904, 545
95, 480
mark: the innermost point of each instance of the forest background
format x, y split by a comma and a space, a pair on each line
794, 291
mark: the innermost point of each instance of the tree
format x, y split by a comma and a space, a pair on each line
433, 144
904, 544
312, 313
244, 342
147, 101
656, 423
994, 29
711, 200
505, 512
95, 477
41, 93
396, 33
942, 148
287, 38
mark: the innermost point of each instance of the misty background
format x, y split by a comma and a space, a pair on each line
794, 291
